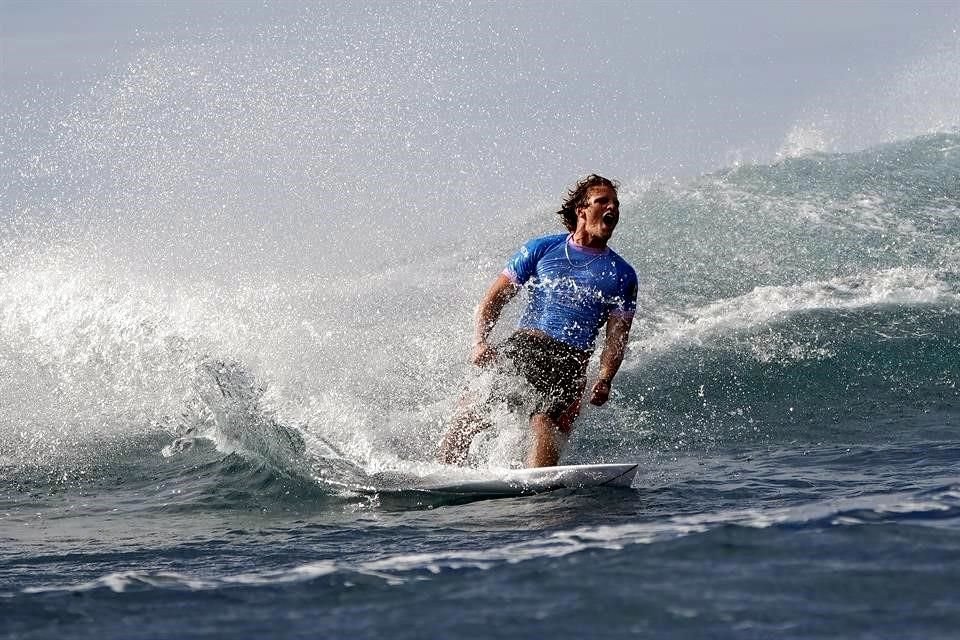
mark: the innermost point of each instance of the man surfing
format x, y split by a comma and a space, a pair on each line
576, 284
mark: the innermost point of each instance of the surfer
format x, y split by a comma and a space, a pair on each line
576, 284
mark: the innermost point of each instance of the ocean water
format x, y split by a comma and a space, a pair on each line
791, 391
188, 352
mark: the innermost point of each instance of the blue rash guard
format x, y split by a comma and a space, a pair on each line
573, 289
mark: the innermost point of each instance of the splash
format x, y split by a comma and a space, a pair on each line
275, 241
804, 140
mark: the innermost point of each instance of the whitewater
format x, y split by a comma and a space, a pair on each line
236, 291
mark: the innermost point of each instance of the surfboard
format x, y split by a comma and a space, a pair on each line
514, 482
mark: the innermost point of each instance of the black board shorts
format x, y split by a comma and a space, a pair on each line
556, 371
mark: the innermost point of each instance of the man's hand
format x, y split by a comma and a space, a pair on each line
483, 354
497, 296
601, 392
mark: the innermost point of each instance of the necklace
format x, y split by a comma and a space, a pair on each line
583, 265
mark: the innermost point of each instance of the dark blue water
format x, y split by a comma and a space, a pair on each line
793, 541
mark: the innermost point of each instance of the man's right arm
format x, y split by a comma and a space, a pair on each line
498, 295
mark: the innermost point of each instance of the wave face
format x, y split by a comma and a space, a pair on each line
790, 298
235, 304
777, 301
791, 382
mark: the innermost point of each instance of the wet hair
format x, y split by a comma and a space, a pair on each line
577, 197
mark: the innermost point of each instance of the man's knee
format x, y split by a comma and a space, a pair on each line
566, 419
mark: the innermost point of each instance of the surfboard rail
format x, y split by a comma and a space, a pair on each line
514, 482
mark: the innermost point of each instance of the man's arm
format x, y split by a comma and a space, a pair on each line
618, 331
498, 295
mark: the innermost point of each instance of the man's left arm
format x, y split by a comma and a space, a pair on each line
614, 348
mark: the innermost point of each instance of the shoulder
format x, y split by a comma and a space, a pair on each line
523, 265
546, 241
541, 245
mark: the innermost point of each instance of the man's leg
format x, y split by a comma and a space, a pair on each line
548, 441
456, 443
550, 436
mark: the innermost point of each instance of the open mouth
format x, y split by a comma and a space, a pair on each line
610, 219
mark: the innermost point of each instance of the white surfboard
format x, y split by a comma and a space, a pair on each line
516, 482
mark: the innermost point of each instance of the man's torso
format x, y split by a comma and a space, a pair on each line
572, 289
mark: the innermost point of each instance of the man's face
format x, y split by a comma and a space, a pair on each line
600, 213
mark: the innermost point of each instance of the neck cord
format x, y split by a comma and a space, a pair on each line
566, 250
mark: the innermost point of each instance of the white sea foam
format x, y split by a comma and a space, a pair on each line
121, 581
764, 305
